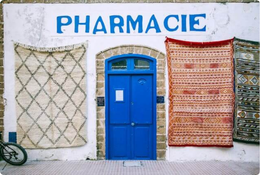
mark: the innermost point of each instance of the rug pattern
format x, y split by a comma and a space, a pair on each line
201, 96
246, 123
50, 96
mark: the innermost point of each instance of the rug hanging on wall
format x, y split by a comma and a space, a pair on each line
201, 97
50, 96
246, 123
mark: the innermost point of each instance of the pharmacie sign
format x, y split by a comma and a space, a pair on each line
134, 24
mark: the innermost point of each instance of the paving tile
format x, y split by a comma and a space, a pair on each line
118, 168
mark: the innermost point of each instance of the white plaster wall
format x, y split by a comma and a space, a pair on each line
34, 25
240, 152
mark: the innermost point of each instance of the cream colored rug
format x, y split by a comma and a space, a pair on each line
50, 96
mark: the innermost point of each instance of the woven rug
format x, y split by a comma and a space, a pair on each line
247, 91
201, 97
50, 96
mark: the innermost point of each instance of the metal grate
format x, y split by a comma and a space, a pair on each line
132, 164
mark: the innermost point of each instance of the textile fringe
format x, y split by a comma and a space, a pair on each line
192, 43
52, 49
222, 146
246, 41
252, 45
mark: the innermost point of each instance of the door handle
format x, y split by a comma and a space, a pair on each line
133, 124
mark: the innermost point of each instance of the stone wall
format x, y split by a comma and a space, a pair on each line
100, 92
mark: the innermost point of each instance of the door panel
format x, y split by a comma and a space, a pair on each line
142, 99
142, 142
119, 102
120, 142
130, 111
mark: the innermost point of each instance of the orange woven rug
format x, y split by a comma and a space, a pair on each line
201, 97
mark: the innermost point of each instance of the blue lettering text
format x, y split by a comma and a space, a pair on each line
113, 24
184, 23
77, 23
154, 26
133, 23
60, 24
166, 21
103, 27
196, 22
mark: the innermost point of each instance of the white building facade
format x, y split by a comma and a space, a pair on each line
111, 30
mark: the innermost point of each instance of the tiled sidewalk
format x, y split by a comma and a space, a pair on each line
118, 168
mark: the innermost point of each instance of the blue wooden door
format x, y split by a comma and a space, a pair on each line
130, 118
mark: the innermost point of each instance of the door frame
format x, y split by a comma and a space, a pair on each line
152, 72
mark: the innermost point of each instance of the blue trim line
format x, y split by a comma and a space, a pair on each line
130, 71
